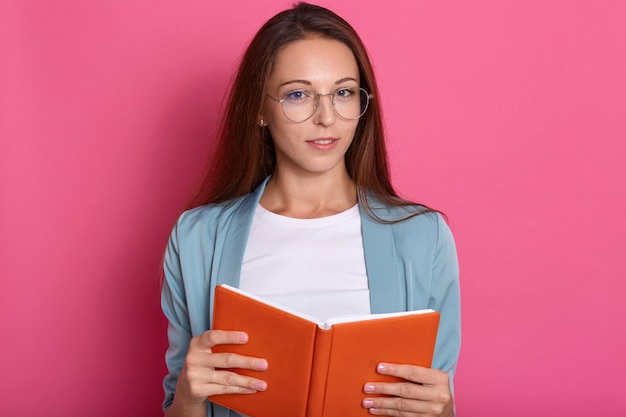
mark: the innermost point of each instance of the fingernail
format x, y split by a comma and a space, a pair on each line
382, 367
242, 337
369, 388
368, 403
261, 365
260, 385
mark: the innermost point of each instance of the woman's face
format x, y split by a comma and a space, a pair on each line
317, 145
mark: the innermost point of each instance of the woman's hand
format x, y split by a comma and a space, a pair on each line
205, 373
426, 392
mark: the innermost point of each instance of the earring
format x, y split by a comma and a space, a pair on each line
261, 122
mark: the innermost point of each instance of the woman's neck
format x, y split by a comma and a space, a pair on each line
309, 197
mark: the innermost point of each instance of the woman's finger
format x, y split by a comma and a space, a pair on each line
226, 382
414, 373
232, 360
211, 338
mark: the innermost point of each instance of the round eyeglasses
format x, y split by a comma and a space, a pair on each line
348, 103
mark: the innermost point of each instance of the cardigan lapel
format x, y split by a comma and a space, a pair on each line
235, 237
386, 285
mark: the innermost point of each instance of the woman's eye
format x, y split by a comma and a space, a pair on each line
297, 96
345, 93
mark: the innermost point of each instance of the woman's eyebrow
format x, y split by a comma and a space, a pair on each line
295, 82
306, 82
343, 80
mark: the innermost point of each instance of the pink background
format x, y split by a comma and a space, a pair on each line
507, 115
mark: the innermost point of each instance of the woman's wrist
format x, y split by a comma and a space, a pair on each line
185, 407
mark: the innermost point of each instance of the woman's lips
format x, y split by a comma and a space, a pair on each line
323, 143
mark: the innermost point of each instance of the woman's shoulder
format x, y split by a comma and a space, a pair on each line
403, 213
419, 222
412, 221
207, 217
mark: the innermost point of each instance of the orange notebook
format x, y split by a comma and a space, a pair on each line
317, 369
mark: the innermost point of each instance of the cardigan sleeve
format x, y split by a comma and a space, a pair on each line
445, 298
185, 300
174, 306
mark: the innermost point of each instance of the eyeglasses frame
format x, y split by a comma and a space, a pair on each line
368, 95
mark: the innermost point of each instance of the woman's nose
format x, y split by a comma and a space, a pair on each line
325, 113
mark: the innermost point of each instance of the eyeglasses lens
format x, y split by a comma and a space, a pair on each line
348, 103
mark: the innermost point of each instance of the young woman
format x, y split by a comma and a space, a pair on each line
297, 206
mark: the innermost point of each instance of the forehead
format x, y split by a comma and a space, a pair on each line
315, 60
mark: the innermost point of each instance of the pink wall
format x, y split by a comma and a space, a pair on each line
509, 116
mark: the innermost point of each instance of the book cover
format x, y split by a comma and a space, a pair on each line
317, 369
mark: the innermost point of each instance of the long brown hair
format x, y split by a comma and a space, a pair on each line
245, 153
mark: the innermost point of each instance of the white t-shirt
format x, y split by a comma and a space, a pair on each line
315, 266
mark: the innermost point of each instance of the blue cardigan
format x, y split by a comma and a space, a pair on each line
410, 265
